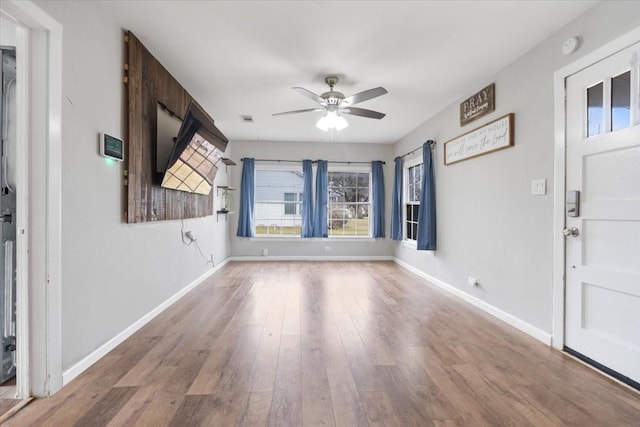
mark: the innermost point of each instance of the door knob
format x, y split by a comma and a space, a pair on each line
573, 232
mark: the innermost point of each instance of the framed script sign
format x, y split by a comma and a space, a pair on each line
493, 136
478, 105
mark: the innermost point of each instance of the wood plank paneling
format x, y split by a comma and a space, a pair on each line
149, 83
333, 344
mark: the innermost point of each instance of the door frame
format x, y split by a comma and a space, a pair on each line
38, 218
559, 175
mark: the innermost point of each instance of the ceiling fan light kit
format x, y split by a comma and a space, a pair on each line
332, 120
334, 105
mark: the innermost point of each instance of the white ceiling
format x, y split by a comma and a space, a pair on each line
242, 57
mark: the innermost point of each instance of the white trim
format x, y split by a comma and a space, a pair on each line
47, 42
412, 244
275, 238
510, 319
559, 174
102, 351
312, 258
23, 389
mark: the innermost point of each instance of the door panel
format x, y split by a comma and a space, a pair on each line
602, 268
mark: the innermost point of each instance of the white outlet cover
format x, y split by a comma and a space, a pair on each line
538, 187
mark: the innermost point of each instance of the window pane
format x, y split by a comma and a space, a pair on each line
414, 230
408, 212
415, 209
277, 210
289, 209
348, 209
594, 110
416, 193
621, 101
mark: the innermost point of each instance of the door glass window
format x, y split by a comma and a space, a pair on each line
594, 110
621, 101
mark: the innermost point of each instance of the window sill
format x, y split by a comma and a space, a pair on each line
310, 239
410, 244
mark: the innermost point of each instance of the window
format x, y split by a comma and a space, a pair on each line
604, 117
292, 208
278, 200
349, 203
413, 188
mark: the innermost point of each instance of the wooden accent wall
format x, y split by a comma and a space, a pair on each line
149, 83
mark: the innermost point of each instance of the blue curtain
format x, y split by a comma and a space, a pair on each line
307, 199
396, 201
427, 214
377, 176
245, 216
320, 208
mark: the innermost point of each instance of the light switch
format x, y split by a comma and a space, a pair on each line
538, 187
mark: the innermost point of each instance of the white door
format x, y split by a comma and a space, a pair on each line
603, 243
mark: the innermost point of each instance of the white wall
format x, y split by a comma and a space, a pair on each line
293, 247
489, 225
112, 273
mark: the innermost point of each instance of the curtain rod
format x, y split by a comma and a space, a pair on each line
431, 142
313, 161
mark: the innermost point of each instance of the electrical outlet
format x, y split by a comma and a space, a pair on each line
189, 235
327, 248
265, 252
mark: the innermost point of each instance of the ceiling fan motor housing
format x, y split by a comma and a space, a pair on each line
332, 97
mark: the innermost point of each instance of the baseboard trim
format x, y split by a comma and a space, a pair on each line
84, 364
510, 319
312, 258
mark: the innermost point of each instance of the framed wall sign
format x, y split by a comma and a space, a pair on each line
478, 105
491, 137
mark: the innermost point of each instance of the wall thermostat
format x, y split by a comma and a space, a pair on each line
111, 147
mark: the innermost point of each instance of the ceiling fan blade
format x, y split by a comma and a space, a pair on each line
304, 92
362, 112
363, 96
298, 111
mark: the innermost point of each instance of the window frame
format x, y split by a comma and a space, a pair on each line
298, 203
351, 168
417, 161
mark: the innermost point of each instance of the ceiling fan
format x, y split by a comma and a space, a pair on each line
335, 104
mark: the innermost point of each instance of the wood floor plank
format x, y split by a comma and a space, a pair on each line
164, 402
107, 407
133, 408
333, 344
348, 409
379, 409
256, 412
263, 372
454, 388
317, 409
286, 404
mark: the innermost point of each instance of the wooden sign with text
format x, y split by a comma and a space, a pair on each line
478, 105
493, 136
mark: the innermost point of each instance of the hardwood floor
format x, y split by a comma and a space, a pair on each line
331, 343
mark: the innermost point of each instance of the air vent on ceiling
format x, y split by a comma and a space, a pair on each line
246, 119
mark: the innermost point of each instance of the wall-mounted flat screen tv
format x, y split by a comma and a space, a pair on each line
198, 148
168, 127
